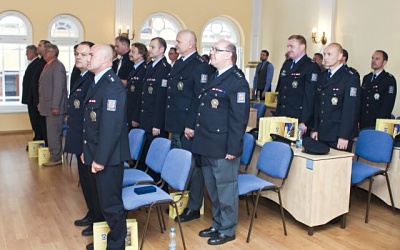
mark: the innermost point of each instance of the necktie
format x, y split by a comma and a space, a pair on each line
373, 77
93, 84
216, 74
292, 65
119, 65
329, 75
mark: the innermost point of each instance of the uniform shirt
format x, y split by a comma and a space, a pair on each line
222, 116
134, 92
377, 98
336, 104
296, 87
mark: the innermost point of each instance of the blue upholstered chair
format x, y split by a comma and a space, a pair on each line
274, 160
248, 149
261, 108
377, 147
177, 161
136, 142
158, 150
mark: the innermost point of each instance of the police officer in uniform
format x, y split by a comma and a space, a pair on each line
297, 84
378, 92
124, 67
344, 60
154, 94
137, 55
220, 126
335, 118
185, 83
105, 141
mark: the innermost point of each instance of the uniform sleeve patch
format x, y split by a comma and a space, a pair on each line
353, 91
111, 105
241, 97
164, 83
203, 78
391, 89
314, 77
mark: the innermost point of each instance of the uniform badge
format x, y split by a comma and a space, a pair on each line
203, 78
214, 103
314, 77
77, 103
164, 83
353, 91
295, 84
150, 90
112, 79
93, 116
132, 88
334, 100
111, 105
283, 73
376, 96
241, 97
180, 85
391, 89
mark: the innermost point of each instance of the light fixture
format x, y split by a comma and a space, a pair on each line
126, 34
323, 39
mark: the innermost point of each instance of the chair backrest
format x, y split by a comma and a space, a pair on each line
248, 149
275, 159
136, 142
374, 145
177, 168
158, 150
261, 108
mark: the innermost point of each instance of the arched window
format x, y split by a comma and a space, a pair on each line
15, 35
221, 28
66, 31
162, 25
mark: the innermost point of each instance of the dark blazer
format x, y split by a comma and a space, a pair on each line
377, 98
35, 82
296, 88
154, 94
105, 134
27, 82
75, 111
336, 105
185, 83
115, 65
222, 116
74, 76
134, 92
126, 67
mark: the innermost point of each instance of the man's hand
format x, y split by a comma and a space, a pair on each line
229, 157
156, 131
342, 144
135, 124
314, 135
189, 133
303, 128
96, 167
55, 112
82, 158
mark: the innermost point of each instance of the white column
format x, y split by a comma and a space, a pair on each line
123, 16
326, 23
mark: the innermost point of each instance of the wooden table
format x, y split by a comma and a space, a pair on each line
317, 189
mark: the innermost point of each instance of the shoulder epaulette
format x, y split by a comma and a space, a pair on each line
110, 78
390, 74
200, 58
238, 73
349, 70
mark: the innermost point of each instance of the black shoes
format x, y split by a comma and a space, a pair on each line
188, 215
85, 221
209, 232
88, 231
220, 239
90, 246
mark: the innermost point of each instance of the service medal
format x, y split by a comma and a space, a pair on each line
376, 96
295, 84
93, 116
150, 90
214, 103
334, 100
77, 103
132, 88
180, 85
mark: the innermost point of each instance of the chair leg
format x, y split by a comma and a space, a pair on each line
159, 218
252, 200
162, 218
179, 223
343, 221
282, 212
253, 216
247, 204
145, 228
369, 198
390, 192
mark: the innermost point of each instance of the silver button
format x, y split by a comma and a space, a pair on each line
167, 106
85, 141
217, 130
198, 125
202, 104
205, 93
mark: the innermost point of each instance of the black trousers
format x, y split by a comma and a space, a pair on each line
34, 117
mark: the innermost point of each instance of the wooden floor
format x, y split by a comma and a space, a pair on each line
38, 206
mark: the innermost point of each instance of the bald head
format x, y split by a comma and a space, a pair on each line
185, 42
101, 56
333, 54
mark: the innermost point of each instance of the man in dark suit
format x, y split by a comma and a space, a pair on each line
218, 138
297, 84
75, 73
105, 141
263, 76
27, 91
138, 56
122, 45
378, 92
185, 83
74, 141
115, 61
53, 101
154, 94
337, 100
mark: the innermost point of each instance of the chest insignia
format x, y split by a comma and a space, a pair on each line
214, 103
334, 100
77, 103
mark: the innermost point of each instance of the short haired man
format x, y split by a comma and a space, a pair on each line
220, 126
337, 100
318, 59
297, 84
105, 141
263, 76
173, 55
344, 60
378, 92
122, 46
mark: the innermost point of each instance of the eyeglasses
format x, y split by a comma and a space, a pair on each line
47, 51
213, 49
